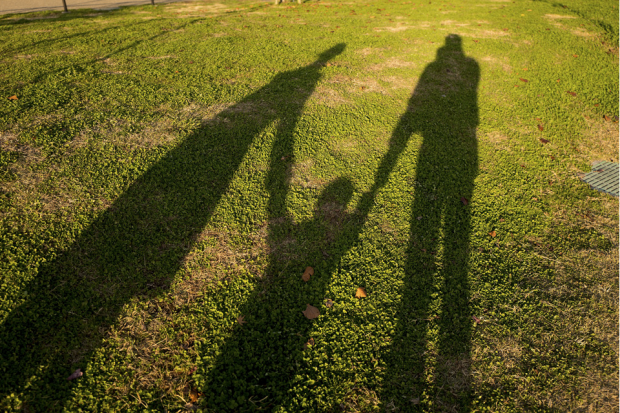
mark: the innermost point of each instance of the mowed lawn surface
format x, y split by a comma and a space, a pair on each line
169, 172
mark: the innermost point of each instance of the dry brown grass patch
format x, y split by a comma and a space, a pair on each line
391, 63
157, 133
393, 29
453, 23
347, 145
368, 51
490, 34
500, 62
497, 139
397, 82
323, 95
300, 174
581, 32
599, 141
558, 16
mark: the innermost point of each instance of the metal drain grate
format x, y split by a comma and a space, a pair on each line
604, 177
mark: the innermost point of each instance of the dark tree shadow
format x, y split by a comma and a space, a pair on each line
429, 355
136, 246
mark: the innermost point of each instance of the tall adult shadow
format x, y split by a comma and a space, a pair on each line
429, 356
137, 245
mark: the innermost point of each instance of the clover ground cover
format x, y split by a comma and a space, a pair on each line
169, 172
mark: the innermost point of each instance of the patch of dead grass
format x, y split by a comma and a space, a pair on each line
490, 34
497, 139
393, 29
323, 95
397, 82
368, 51
300, 174
157, 133
581, 32
558, 16
500, 62
599, 141
392, 63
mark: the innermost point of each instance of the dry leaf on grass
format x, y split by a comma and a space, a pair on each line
464, 200
476, 319
309, 272
540, 128
194, 395
13, 97
543, 140
523, 80
241, 320
75, 374
571, 93
311, 312
493, 234
360, 293
308, 343
329, 303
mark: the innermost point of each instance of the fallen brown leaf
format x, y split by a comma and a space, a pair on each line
308, 343
523, 80
75, 374
476, 319
309, 272
194, 395
540, 127
543, 140
360, 293
607, 118
575, 55
241, 320
571, 93
464, 200
329, 303
13, 97
493, 234
311, 312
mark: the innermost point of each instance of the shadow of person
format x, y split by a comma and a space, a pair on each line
428, 361
259, 365
135, 247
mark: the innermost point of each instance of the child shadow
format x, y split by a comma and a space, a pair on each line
258, 364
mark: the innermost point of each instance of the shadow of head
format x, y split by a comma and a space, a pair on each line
334, 199
339, 191
453, 43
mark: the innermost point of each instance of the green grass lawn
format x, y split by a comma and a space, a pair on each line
167, 174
